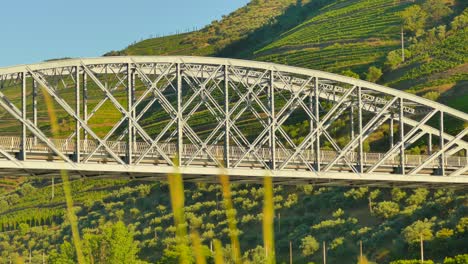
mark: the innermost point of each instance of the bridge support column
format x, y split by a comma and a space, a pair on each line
226, 117
85, 103
24, 116
272, 121
392, 141
311, 124
317, 119
402, 137
34, 107
351, 122
134, 112
77, 110
129, 109
442, 143
429, 144
179, 116
360, 147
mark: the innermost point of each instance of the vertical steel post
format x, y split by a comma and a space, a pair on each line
392, 141
179, 116
361, 149
24, 116
351, 121
34, 105
272, 120
429, 143
226, 117
402, 138
442, 143
85, 103
77, 110
311, 122
317, 118
129, 106
134, 112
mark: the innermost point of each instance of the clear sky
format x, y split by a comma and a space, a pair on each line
36, 30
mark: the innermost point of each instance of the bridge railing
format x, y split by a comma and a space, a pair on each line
13, 145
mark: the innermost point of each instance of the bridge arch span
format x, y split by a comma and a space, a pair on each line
140, 116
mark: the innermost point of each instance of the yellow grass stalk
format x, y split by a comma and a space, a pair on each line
268, 214
197, 248
231, 218
176, 189
66, 182
218, 248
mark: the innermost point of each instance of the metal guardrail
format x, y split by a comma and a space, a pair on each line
13, 144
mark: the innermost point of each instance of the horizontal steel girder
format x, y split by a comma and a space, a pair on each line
253, 87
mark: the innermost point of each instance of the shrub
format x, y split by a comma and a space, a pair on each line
309, 245
459, 259
386, 209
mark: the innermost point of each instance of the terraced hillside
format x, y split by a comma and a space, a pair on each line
439, 72
342, 35
214, 37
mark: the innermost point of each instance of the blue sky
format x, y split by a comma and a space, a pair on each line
33, 31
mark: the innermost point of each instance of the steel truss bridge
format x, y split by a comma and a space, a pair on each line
144, 117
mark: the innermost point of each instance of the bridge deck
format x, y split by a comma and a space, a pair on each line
203, 168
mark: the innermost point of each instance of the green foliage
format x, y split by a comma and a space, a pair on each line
459, 259
67, 254
23, 229
338, 213
350, 73
111, 243
336, 242
432, 95
393, 59
436, 9
460, 21
418, 230
462, 225
357, 193
444, 233
412, 261
418, 197
414, 19
398, 194
309, 245
217, 35
373, 74
386, 209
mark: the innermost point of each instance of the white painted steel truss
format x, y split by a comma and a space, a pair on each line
140, 116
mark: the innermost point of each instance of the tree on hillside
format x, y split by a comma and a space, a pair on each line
419, 231
414, 19
112, 243
459, 259
350, 73
309, 245
436, 10
460, 21
373, 74
386, 209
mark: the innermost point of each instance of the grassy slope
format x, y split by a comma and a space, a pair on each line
442, 69
342, 35
215, 36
